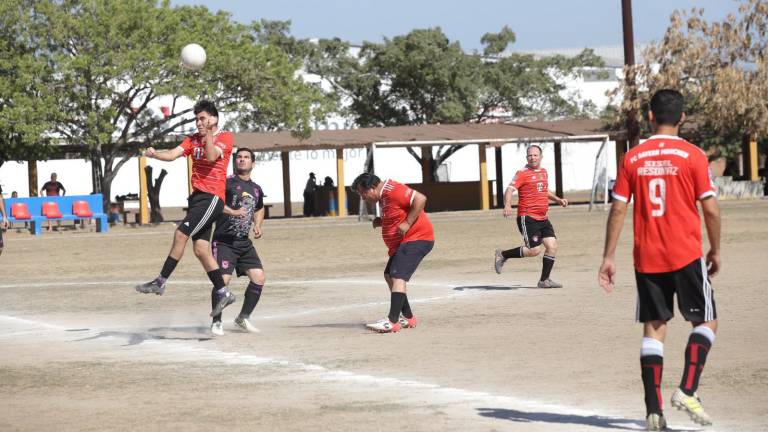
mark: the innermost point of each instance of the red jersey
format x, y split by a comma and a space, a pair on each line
533, 192
209, 177
666, 175
396, 199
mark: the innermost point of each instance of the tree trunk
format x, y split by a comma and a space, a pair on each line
153, 192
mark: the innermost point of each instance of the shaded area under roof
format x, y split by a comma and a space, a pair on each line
562, 130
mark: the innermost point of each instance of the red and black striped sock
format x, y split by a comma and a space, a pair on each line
651, 370
699, 344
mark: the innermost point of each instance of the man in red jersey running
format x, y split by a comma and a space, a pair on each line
210, 149
409, 236
666, 176
532, 185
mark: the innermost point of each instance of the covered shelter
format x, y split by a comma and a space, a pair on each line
425, 136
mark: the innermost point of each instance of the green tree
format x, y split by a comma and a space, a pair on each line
720, 67
108, 60
424, 78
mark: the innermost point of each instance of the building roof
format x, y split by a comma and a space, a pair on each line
495, 134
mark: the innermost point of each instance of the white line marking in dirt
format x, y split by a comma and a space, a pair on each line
427, 392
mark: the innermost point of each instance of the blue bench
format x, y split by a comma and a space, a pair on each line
35, 205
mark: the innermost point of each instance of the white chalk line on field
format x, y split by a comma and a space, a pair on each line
410, 392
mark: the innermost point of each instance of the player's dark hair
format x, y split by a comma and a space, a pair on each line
534, 146
207, 106
246, 149
667, 107
366, 181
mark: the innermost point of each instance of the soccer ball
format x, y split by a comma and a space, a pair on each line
193, 57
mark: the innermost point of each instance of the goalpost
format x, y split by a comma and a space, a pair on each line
600, 177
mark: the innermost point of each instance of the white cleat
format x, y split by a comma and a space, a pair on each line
655, 422
246, 325
384, 326
217, 328
691, 405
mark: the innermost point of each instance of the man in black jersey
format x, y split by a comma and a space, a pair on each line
233, 250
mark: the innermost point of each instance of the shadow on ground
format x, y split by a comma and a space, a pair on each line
565, 419
155, 333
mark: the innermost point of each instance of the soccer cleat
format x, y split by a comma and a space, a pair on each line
655, 422
217, 328
384, 326
151, 287
691, 405
246, 325
407, 322
498, 261
549, 283
224, 300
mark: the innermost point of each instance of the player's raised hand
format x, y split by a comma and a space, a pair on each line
508, 212
605, 277
713, 263
150, 152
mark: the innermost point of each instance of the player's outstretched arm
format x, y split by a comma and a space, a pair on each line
258, 220
164, 155
605, 275
711, 210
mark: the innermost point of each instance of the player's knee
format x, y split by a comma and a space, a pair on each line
200, 250
552, 249
532, 252
259, 278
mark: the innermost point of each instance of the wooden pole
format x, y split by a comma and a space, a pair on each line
143, 193
558, 169
32, 177
484, 191
499, 179
749, 156
621, 150
426, 164
341, 192
287, 209
189, 175
633, 128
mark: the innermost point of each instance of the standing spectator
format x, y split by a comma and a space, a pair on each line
4, 223
53, 188
309, 195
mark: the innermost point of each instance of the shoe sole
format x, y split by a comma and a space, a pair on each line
223, 303
382, 331
694, 417
496, 267
242, 327
139, 290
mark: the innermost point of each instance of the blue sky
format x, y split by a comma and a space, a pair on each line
539, 24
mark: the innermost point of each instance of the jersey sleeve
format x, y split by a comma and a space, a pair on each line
622, 189
224, 141
186, 145
403, 196
702, 177
518, 180
260, 202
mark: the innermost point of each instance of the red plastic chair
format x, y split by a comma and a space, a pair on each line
81, 209
51, 210
20, 210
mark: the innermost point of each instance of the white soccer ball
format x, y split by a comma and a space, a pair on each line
193, 57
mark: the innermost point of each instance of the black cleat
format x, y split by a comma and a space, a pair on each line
224, 300
152, 287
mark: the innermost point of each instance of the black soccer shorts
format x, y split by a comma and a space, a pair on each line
239, 254
407, 258
534, 231
202, 211
695, 298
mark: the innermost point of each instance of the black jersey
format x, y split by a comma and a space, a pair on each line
240, 194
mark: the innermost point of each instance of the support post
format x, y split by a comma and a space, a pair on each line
32, 177
287, 209
499, 179
143, 193
749, 155
426, 164
558, 169
341, 191
484, 192
189, 174
621, 150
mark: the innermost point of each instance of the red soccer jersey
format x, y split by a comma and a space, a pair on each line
396, 199
209, 177
533, 192
666, 175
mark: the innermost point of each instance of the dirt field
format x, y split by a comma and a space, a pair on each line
81, 351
